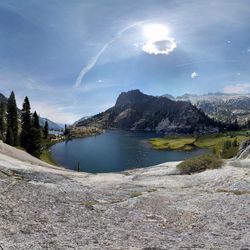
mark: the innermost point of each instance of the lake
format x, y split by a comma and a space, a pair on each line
114, 151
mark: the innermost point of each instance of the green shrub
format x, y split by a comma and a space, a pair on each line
135, 194
199, 164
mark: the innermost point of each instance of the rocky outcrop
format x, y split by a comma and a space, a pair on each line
244, 151
43, 207
136, 111
223, 107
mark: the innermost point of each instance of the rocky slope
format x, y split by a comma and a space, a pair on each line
223, 107
136, 111
45, 207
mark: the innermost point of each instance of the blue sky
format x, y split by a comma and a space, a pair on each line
73, 58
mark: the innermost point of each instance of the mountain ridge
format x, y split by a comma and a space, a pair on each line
222, 107
137, 111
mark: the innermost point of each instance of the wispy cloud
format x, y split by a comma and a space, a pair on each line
57, 113
95, 59
240, 88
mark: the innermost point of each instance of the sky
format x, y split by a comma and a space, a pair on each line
73, 58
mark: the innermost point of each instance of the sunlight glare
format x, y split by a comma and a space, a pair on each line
155, 31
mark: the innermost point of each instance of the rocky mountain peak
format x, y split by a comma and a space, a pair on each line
130, 97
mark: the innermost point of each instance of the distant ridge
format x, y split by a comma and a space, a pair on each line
137, 111
221, 106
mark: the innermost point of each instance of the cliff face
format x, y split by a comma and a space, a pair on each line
223, 107
136, 111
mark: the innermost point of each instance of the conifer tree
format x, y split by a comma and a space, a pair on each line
35, 136
25, 137
12, 123
46, 130
2, 120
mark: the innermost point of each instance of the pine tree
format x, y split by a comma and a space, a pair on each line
2, 120
66, 130
35, 136
12, 123
25, 136
236, 125
248, 124
46, 130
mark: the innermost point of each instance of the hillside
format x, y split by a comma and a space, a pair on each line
52, 125
223, 107
136, 111
45, 207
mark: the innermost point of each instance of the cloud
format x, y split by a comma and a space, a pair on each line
95, 59
57, 113
194, 75
240, 88
162, 47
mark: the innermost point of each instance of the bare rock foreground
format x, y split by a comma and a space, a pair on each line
45, 207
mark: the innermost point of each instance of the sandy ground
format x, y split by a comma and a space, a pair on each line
46, 207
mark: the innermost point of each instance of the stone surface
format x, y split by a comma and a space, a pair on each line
45, 207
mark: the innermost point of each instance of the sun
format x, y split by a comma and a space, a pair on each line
155, 31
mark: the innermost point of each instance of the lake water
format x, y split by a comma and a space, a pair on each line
114, 151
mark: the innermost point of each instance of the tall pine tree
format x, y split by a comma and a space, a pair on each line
35, 135
12, 123
25, 136
46, 130
2, 120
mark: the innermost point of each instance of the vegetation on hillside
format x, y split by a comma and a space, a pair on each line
199, 164
225, 144
25, 134
12, 122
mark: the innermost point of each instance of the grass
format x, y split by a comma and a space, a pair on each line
89, 203
135, 194
151, 190
173, 143
199, 164
214, 142
236, 192
47, 157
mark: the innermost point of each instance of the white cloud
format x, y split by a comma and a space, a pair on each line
194, 75
240, 88
100, 80
162, 47
56, 113
248, 50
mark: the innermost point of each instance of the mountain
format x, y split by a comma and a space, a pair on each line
52, 125
222, 107
169, 96
137, 111
80, 120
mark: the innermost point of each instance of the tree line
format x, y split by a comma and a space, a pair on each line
24, 131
